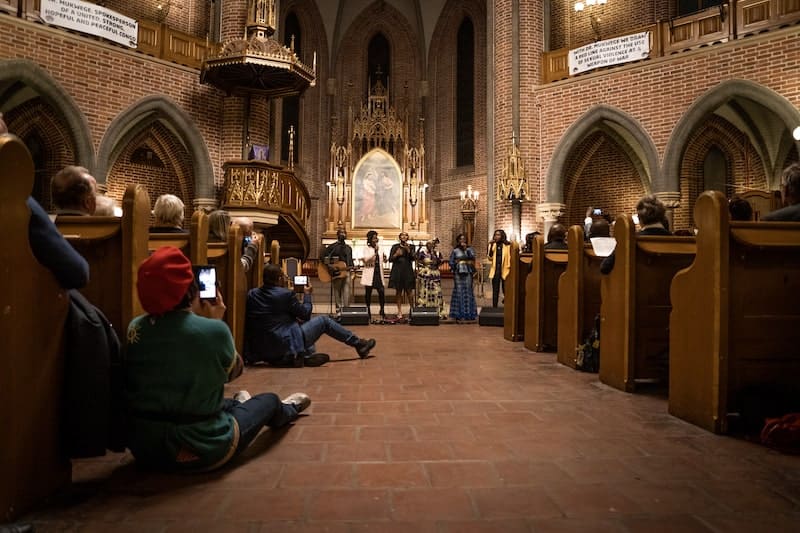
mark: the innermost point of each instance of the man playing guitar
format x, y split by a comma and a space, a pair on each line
337, 262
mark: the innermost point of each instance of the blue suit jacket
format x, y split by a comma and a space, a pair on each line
53, 251
272, 328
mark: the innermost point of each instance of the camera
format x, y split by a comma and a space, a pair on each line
598, 211
299, 283
206, 276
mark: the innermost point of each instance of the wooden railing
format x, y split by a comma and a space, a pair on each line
155, 39
161, 41
733, 20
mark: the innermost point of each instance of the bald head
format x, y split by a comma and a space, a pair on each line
74, 189
246, 224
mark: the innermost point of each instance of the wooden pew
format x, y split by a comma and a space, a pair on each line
32, 466
194, 244
226, 257
735, 321
634, 327
514, 295
578, 296
541, 297
114, 247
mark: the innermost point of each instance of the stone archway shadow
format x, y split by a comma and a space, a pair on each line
716, 97
623, 129
140, 116
33, 76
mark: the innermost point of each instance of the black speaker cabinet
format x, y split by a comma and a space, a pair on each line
354, 316
424, 316
491, 316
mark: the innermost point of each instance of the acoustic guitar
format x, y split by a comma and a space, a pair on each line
335, 270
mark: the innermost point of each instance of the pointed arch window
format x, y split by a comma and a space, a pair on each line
379, 56
465, 94
290, 106
715, 171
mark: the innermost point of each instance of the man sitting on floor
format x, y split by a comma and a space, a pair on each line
274, 335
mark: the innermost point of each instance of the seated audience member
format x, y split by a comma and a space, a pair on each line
529, 238
219, 222
168, 212
790, 195
246, 225
683, 233
74, 191
600, 228
279, 328
105, 206
50, 248
179, 357
740, 209
556, 237
652, 219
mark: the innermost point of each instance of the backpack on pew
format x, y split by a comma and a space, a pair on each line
783, 433
587, 357
93, 405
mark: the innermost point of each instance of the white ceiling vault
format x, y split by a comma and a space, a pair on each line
338, 15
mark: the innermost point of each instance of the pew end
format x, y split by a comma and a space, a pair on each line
541, 297
735, 323
33, 465
578, 296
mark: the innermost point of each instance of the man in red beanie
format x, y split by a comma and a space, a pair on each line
176, 367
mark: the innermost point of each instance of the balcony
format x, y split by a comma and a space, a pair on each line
735, 20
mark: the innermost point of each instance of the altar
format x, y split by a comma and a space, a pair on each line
377, 176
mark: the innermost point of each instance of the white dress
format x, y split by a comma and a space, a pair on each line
367, 272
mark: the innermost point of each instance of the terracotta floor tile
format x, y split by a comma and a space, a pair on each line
419, 451
431, 504
338, 475
394, 475
466, 474
386, 434
591, 500
518, 502
357, 452
353, 505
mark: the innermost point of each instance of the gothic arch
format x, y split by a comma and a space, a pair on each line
33, 76
139, 116
622, 128
739, 96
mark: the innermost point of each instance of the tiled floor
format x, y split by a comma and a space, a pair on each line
451, 429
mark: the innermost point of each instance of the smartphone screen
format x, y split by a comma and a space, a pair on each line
597, 211
300, 282
207, 280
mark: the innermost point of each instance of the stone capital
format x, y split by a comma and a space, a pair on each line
671, 199
550, 211
205, 204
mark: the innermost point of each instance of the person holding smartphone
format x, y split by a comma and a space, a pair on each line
179, 356
280, 330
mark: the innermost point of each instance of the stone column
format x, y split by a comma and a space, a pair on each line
671, 200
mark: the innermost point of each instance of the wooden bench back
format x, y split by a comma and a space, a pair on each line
514, 295
541, 297
114, 247
634, 328
226, 257
194, 244
34, 309
578, 296
735, 321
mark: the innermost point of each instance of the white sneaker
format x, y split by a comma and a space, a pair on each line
242, 396
299, 400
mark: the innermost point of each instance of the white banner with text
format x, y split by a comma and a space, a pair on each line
609, 52
92, 19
